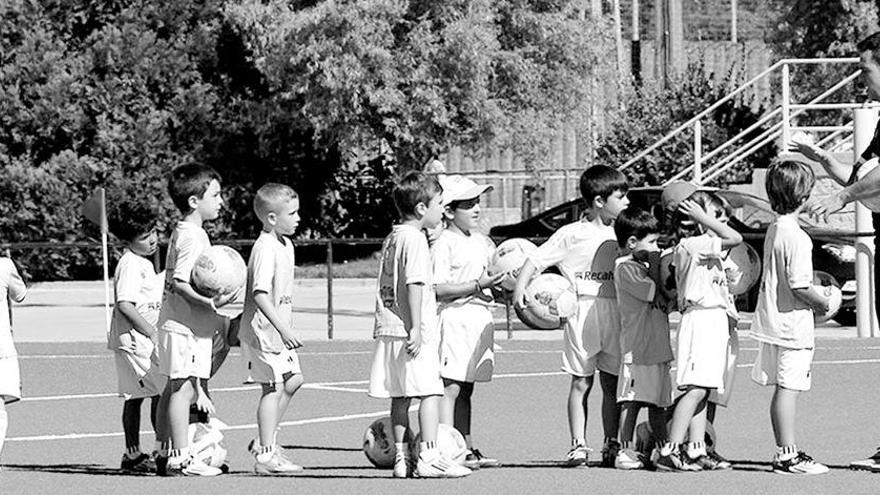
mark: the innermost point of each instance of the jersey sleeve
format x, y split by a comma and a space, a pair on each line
189, 247
702, 245
128, 281
263, 268
416, 259
551, 252
799, 261
635, 282
14, 283
441, 257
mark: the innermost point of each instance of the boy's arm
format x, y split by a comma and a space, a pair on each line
186, 290
525, 275
729, 237
264, 302
414, 294
813, 296
449, 292
138, 323
798, 255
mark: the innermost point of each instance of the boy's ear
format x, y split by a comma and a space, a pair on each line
448, 213
271, 218
598, 202
631, 242
420, 209
193, 202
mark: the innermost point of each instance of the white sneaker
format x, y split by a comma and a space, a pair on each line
403, 467
577, 456
195, 467
871, 463
440, 467
628, 459
275, 464
800, 464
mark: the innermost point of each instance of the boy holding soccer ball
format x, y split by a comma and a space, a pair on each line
461, 255
406, 359
138, 298
585, 252
188, 320
269, 342
783, 323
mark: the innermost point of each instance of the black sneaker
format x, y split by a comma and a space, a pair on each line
162, 465
870, 464
720, 461
705, 462
143, 463
476, 458
609, 453
674, 462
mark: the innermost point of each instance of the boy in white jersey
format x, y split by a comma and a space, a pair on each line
188, 321
138, 298
585, 252
406, 359
783, 323
268, 340
12, 289
703, 331
645, 368
461, 255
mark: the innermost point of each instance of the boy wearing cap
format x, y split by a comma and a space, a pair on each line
460, 256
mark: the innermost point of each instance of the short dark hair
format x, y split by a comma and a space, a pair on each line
871, 44
269, 197
634, 222
601, 181
412, 188
189, 180
788, 184
128, 218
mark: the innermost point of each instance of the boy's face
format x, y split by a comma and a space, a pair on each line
432, 213
145, 244
466, 215
208, 206
287, 217
611, 207
641, 247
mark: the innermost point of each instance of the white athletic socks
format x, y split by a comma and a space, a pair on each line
786, 452
696, 449
578, 441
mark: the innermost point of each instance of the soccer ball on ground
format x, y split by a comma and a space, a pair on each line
206, 442
218, 271
509, 258
379, 443
450, 442
550, 299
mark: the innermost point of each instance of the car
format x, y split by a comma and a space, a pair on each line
833, 251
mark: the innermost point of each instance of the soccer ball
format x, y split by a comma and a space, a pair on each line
829, 288
219, 271
509, 258
450, 442
550, 298
379, 442
206, 442
748, 264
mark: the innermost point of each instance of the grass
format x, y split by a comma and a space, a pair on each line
359, 268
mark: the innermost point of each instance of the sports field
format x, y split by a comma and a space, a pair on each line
65, 436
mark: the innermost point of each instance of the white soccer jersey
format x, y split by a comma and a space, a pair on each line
11, 287
135, 281
699, 273
585, 254
461, 258
270, 270
187, 243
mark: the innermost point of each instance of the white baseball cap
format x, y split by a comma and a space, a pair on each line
460, 188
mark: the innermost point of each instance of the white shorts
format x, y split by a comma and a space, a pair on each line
788, 368
591, 341
269, 367
702, 348
647, 383
466, 345
394, 374
721, 397
10, 379
183, 355
137, 377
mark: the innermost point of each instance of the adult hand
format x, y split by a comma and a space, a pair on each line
822, 207
811, 152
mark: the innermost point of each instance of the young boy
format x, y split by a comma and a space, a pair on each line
585, 252
12, 289
461, 255
268, 340
783, 322
703, 331
138, 298
188, 321
406, 360
645, 369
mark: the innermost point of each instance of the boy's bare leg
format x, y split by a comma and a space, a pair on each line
178, 415
577, 406
451, 389
4, 423
267, 414
782, 415
291, 386
429, 418
685, 409
610, 408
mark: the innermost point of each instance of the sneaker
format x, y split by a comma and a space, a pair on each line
403, 467
476, 459
577, 456
143, 463
440, 467
720, 462
162, 465
628, 459
799, 464
674, 462
283, 459
276, 466
192, 467
704, 461
609, 452
871, 463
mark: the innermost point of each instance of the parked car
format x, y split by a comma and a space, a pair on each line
833, 252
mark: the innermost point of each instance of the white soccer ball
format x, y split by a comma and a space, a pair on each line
206, 442
509, 258
830, 290
379, 442
218, 271
450, 442
550, 299
748, 264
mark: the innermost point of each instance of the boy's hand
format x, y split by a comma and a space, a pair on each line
203, 403
414, 343
519, 299
487, 280
694, 210
290, 341
223, 300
